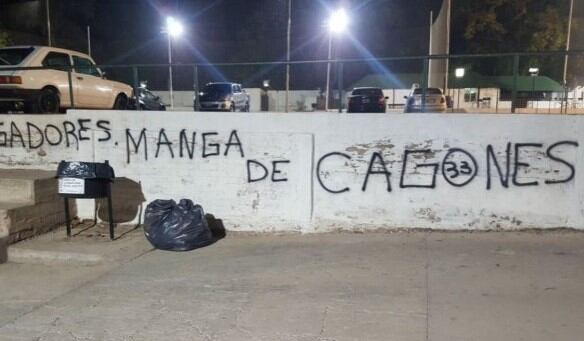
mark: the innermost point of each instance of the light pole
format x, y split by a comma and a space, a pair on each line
48, 15
288, 53
337, 23
173, 30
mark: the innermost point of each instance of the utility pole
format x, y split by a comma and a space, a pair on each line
568, 40
570, 16
48, 14
288, 54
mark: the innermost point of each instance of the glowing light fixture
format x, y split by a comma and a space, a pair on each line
174, 28
460, 72
338, 21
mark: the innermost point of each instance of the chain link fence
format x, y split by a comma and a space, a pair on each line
490, 83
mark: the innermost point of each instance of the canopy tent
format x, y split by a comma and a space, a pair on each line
393, 81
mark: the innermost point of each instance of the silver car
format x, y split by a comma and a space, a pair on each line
435, 101
223, 96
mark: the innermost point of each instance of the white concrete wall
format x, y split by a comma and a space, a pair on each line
538, 192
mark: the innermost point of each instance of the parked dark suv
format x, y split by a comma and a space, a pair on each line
224, 96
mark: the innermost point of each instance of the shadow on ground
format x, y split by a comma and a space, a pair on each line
127, 202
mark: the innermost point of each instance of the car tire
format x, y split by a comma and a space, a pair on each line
121, 102
232, 108
47, 102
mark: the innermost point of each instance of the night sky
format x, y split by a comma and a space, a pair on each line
222, 29
129, 32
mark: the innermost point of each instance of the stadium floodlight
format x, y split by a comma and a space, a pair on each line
338, 21
174, 28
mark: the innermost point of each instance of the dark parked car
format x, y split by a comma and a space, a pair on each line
367, 100
224, 96
147, 101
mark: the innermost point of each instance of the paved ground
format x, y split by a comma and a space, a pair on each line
374, 286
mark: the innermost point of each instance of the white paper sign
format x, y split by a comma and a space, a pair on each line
71, 186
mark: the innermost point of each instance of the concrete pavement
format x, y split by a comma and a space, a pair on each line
373, 286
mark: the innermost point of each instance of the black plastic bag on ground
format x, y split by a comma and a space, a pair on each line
173, 227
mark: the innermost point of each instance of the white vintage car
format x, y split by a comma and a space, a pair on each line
47, 90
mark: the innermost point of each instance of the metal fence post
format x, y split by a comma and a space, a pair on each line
340, 85
136, 86
515, 75
196, 87
565, 100
497, 103
70, 80
426, 67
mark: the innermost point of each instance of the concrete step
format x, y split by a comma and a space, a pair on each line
27, 186
23, 221
29, 205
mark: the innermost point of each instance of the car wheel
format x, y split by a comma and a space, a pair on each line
121, 102
232, 109
47, 102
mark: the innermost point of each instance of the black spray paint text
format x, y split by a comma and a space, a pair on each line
503, 166
184, 145
68, 133
458, 167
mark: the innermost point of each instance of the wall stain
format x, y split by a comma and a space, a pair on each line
428, 214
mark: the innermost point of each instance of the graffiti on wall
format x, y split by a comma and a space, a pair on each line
417, 168
188, 144
459, 167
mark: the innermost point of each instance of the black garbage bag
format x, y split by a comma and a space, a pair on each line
85, 170
173, 227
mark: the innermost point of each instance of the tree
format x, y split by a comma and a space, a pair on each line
511, 25
498, 26
4, 39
